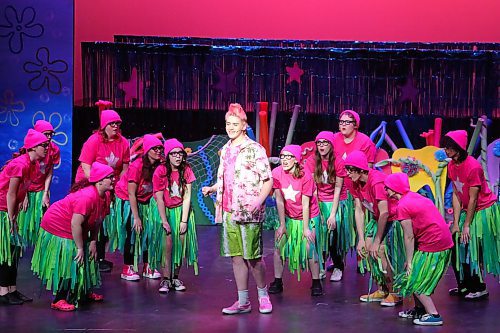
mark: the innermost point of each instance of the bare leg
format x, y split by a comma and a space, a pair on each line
258, 268
313, 266
427, 303
240, 270
278, 264
167, 271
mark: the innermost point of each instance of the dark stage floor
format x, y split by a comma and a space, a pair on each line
138, 307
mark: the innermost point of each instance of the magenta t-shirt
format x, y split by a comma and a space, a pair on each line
229, 166
172, 197
86, 201
113, 153
326, 190
372, 192
467, 174
360, 142
52, 158
430, 230
292, 190
133, 174
20, 167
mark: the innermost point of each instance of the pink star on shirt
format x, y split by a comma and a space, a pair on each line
294, 73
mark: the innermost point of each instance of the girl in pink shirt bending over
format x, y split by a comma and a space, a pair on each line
38, 198
299, 217
172, 187
426, 231
65, 252
136, 214
476, 223
15, 179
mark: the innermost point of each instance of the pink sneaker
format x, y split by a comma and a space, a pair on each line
265, 305
129, 274
237, 309
149, 273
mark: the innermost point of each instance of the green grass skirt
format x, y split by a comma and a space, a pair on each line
53, 263
10, 243
346, 231
28, 221
483, 251
427, 269
293, 246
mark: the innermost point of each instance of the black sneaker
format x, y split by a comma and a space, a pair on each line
20, 296
317, 290
105, 266
457, 292
9, 299
275, 288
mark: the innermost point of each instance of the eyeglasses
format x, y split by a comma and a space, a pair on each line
110, 177
322, 143
351, 169
346, 122
115, 124
44, 145
48, 135
177, 154
286, 157
157, 149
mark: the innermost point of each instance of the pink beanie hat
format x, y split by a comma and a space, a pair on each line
325, 135
295, 150
357, 159
99, 171
354, 114
460, 137
398, 182
109, 116
171, 144
43, 126
33, 139
149, 142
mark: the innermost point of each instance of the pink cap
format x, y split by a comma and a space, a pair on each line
33, 139
460, 137
295, 150
43, 126
354, 114
357, 159
109, 116
171, 144
398, 182
99, 171
325, 135
149, 142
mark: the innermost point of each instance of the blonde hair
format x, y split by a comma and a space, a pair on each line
236, 110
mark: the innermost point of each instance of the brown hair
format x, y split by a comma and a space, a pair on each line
318, 168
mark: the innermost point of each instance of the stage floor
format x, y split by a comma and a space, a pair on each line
138, 307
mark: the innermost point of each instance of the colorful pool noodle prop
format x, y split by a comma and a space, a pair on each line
103, 105
293, 122
257, 122
390, 142
405, 137
274, 113
380, 128
250, 133
475, 135
264, 130
429, 137
493, 153
484, 148
438, 126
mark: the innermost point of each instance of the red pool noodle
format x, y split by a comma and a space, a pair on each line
438, 123
264, 127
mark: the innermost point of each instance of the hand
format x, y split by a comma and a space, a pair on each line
309, 235
207, 190
166, 226
92, 250
25, 204
373, 250
137, 225
46, 199
455, 228
183, 228
408, 268
331, 222
13, 226
79, 257
255, 206
465, 234
280, 232
360, 248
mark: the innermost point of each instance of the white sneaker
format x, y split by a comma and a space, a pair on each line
336, 275
178, 285
165, 286
476, 295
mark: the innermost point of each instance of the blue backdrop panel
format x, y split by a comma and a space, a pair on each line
36, 48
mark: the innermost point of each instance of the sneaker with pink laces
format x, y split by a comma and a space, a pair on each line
129, 274
265, 305
149, 273
236, 308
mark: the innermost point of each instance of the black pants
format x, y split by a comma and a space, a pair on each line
8, 274
128, 255
337, 258
471, 280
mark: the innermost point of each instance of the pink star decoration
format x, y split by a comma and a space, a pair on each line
408, 91
226, 81
294, 73
132, 88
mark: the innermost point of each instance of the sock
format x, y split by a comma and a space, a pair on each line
278, 280
243, 297
262, 292
176, 276
436, 315
316, 283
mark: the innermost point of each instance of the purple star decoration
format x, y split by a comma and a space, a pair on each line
408, 91
226, 81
